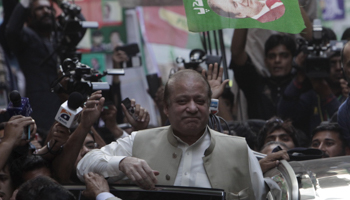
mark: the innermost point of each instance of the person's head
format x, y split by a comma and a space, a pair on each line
89, 144
97, 38
42, 15
335, 72
29, 167
236, 8
115, 40
270, 146
345, 59
279, 52
346, 35
278, 130
329, 138
6, 184
43, 188
187, 97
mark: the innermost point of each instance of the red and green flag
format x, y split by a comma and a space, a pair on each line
278, 15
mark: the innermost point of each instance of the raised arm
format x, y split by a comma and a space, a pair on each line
239, 39
63, 164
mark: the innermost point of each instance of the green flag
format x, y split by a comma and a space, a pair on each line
278, 15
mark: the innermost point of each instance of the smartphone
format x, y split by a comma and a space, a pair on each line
131, 109
153, 84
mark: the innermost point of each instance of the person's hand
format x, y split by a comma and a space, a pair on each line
140, 118
60, 135
272, 160
120, 56
92, 110
344, 87
109, 117
14, 128
139, 172
321, 87
214, 77
95, 184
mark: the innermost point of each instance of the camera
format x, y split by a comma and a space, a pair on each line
198, 56
131, 50
319, 51
84, 79
72, 27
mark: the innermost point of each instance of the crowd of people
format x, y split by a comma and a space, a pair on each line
289, 110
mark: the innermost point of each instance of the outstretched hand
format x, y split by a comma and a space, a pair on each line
214, 77
139, 120
14, 130
95, 184
92, 109
139, 172
272, 160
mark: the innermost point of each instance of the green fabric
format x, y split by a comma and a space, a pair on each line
290, 22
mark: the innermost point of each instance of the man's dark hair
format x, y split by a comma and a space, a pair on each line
346, 34
327, 126
178, 76
275, 40
25, 164
43, 188
273, 124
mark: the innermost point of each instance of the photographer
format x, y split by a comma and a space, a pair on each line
309, 100
35, 47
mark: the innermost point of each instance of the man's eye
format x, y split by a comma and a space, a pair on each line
328, 144
315, 144
271, 56
285, 139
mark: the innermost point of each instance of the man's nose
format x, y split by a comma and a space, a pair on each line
277, 58
322, 147
192, 107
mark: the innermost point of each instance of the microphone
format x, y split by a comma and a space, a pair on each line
18, 105
67, 115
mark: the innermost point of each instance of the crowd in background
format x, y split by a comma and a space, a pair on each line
291, 109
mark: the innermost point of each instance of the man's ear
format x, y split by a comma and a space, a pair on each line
165, 110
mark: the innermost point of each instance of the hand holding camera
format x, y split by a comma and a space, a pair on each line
16, 130
136, 115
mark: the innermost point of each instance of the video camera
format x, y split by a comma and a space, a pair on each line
319, 51
198, 56
84, 79
131, 50
73, 27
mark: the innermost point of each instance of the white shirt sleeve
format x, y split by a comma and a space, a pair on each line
256, 176
105, 161
104, 196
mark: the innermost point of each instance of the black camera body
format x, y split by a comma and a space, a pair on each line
319, 51
72, 27
131, 50
85, 80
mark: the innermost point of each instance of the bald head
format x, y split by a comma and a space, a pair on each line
345, 56
180, 76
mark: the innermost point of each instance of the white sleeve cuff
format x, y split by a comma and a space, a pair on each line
125, 134
104, 196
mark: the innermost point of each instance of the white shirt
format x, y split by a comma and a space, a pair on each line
191, 172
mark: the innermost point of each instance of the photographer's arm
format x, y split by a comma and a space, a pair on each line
63, 164
307, 32
239, 39
14, 30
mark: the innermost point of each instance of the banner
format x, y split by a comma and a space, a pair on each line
278, 15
